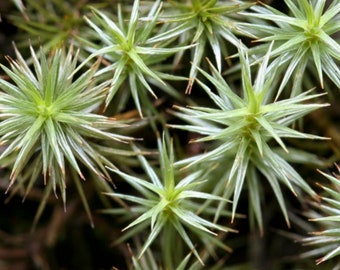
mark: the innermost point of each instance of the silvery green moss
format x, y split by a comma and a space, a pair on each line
305, 38
257, 72
133, 49
326, 243
245, 128
168, 203
49, 119
207, 22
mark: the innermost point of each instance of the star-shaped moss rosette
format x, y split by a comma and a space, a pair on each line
249, 133
306, 35
49, 123
168, 203
134, 50
327, 240
205, 22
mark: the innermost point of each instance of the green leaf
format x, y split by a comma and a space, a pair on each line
255, 195
268, 127
186, 239
238, 173
154, 233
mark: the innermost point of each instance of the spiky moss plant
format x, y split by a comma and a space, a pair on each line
327, 240
133, 50
246, 130
49, 123
50, 24
168, 203
206, 22
306, 35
